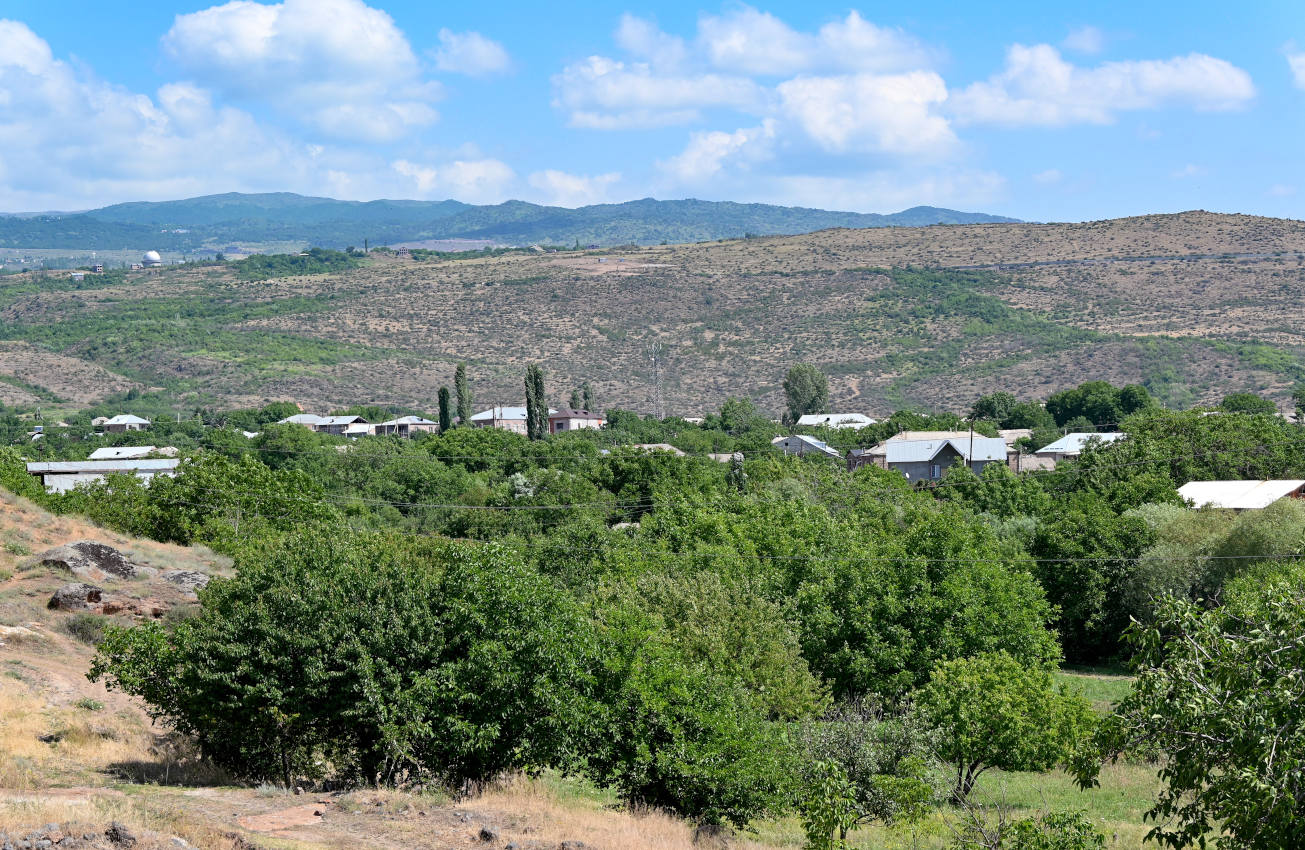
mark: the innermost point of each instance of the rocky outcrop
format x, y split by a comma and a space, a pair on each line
90, 560
77, 596
189, 581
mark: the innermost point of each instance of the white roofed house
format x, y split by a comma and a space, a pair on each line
1072, 445
927, 455
1240, 495
311, 421
567, 419
345, 426
124, 452
834, 420
407, 426
62, 476
503, 417
124, 422
802, 444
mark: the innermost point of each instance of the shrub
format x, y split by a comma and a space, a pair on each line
86, 627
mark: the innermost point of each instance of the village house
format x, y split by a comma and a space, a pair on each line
567, 419
1240, 495
834, 420
927, 455
344, 426
1072, 445
801, 444
121, 422
62, 476
504, 418
311, 421
407, 426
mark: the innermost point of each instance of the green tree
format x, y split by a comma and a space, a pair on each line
1218, 694
1298, 401
587, 397
992, 711
996, 407
463, 391
536, 403
446, 414
379, 663
1247, 403
576, 402
806, 391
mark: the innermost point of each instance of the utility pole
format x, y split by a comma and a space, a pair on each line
970, 460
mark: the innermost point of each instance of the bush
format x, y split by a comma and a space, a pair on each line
86, 627
385, 663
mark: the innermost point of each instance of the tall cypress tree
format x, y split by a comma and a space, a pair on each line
576, 401
536, 407
446, 410
464, 394
587, 397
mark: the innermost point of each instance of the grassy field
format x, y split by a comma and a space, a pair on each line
1193, 305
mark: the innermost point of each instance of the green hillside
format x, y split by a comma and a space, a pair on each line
214, 221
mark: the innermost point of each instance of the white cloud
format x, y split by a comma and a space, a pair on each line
573, 190
603, 93
644, 40
1296, 62
471, 53
1048, 177
1038, 87
1281, 190
756, 42
340, 65
125, 144
1086, 39
476, 181
707, 152
1191, 169
885, 113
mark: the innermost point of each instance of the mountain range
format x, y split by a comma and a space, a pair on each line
213, 222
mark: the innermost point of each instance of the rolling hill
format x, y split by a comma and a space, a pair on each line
1192, 305
213, 221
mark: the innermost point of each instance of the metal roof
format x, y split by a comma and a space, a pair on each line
500, 413
811, 442
126, 419
406, 420
1237, 495
1072, 444
341, 420
120, 452
69, 467
309, 419
834, 420
921, 451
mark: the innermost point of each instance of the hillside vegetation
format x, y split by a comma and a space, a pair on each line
1192, 306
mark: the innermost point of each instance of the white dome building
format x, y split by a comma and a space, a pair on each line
151, 259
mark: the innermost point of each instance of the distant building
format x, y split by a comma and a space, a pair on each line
927, 455
506, 418
834, 420
1072, 445
78, 275
344, 426
98, 268
121, 422
567, 419
62, 476
407, 426
311, 421
1240, 495
151, 260
801, 444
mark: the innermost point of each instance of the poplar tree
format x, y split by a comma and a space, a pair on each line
446, 411
464, 394
536, 407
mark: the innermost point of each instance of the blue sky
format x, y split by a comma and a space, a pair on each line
1065, 111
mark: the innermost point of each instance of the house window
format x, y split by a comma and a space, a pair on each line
935, 471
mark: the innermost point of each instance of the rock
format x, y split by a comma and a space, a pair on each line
178, 841
488, 834
87, 559
572, 845
76, 597
119, 835
187, 580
